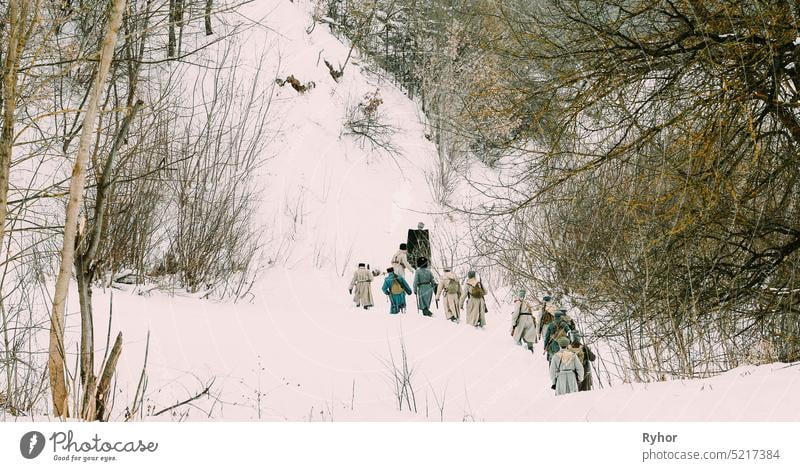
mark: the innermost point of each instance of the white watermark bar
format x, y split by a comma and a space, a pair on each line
399, 446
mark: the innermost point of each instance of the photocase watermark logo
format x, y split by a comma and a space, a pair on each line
69, 447
31, 445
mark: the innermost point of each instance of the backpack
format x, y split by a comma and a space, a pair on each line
396, 287
580, 352
559, 330
477, 290
452, 286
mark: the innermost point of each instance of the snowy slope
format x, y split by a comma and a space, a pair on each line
301, 351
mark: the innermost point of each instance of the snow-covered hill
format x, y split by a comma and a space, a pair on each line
300, 350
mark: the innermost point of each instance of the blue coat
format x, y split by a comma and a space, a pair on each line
550, 343
398, 300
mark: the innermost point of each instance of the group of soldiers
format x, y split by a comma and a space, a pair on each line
569, 359
469, 297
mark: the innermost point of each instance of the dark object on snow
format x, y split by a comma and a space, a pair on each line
419, 246
299, 87
390, 270
336, 74
128, 278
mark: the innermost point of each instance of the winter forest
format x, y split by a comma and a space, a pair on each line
188, 187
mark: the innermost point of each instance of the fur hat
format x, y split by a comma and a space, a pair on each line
403, 246
390, 270
422, 262
563, 342
546, 298
559, 314
521, 294
471, 274
362, 265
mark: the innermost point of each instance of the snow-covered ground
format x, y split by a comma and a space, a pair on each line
300, 349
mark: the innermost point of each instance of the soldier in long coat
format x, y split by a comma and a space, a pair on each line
566, 369
556, 329
424, 286
400, 261
476, 305
546, 315
523, 324
450, 288
586, 356
361, 287
397, 300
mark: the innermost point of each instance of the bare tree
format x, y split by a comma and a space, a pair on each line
20, 20
57, 351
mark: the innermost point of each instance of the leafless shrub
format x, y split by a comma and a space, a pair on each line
367, 124
441, 402
401, 377
213, 244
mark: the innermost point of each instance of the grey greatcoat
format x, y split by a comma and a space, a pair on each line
564, 367
452, 308
424, 286
361, 284
523, 323
476, 307
400, 263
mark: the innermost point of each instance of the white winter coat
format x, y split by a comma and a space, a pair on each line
524, 323
361, 284
452, 308
476, 307
564, 366
400, 263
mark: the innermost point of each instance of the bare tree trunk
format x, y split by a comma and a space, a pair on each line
84, 281
100, 398
209, 7
85, 265
58, 383
17, 31
171, 31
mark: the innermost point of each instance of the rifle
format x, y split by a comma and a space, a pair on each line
416, 296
